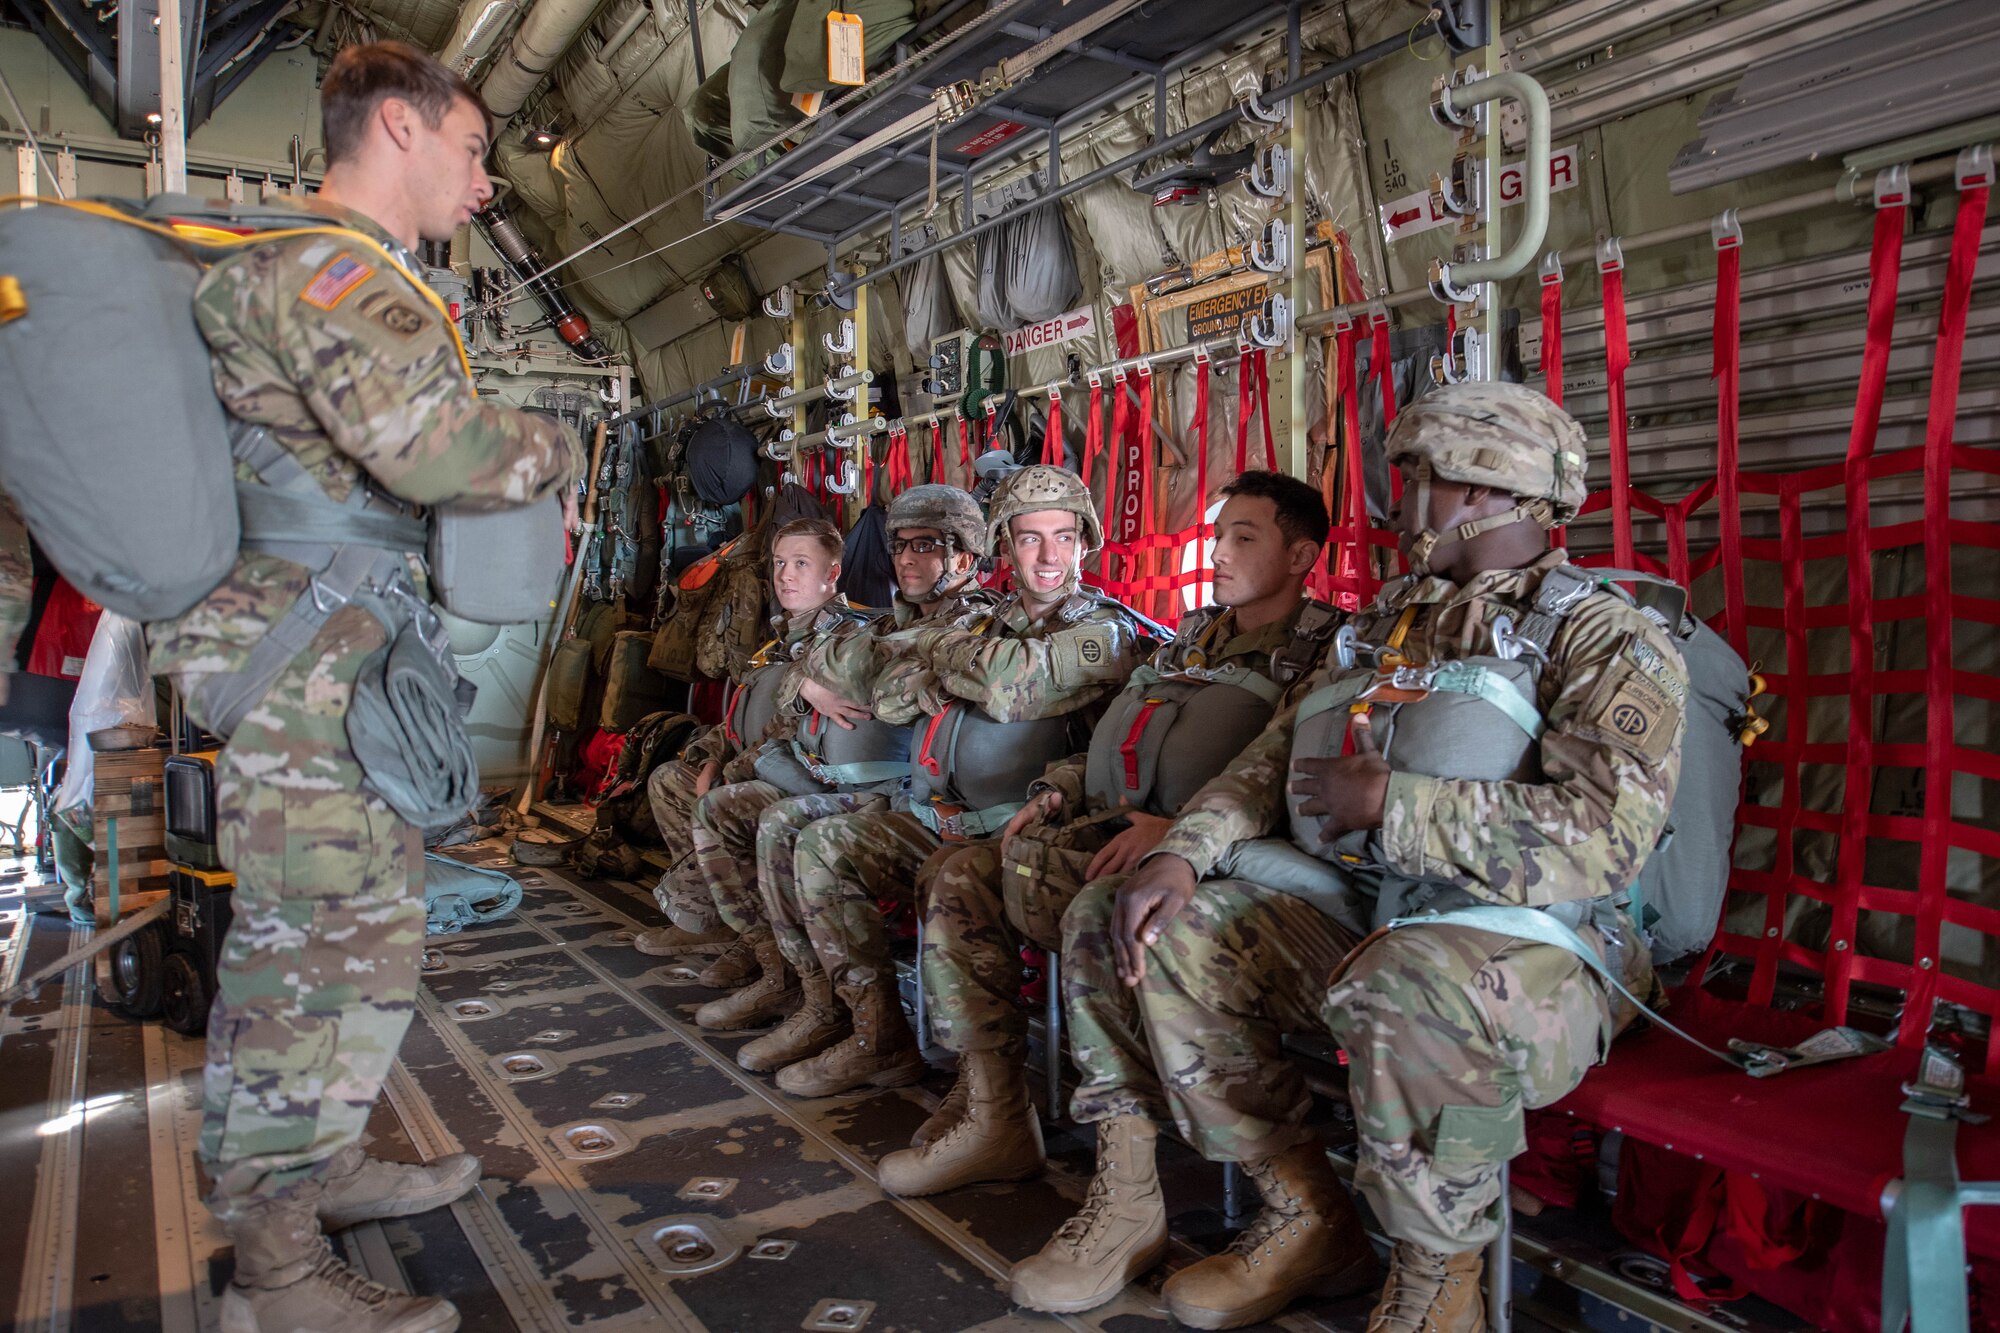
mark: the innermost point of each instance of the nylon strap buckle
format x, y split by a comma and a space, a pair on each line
1761, 1059
1938, 1092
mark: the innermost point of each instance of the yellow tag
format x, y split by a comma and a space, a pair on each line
13, 301
807, 104
844, 64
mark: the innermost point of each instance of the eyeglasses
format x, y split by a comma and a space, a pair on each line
917, 545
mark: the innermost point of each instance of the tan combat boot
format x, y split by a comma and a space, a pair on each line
738, 965
773, 994
947, 1114
672, 941
881, 1050
288, 1281
998, 1137
1430, 1292
1307, 1240
818, 1022
360, 1188
1120, 1232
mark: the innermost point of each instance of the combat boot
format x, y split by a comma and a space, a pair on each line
816, 1024
1120, 1232
881, 1050
998, 1137
947, 1114
288, 1280
360, 1188
738, 965
773, 994
1430, 1292
672, 941
1307, 1239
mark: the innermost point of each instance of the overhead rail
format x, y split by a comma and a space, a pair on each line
1195, 133
729, 378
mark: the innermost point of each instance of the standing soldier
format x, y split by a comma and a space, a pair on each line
1178, 721
1449, 1031
805, 578
995, 697
330, 344
833, 757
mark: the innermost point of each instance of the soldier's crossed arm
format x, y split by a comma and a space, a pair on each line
378, 369
1611, 758
1245, 800
1017, 680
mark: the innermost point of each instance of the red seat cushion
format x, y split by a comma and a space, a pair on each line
1833, 1131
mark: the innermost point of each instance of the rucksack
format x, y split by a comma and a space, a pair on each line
728, 289
676, 649
625, 811
867, 572
733, 623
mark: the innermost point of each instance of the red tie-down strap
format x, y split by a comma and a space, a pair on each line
1727, 373
964, 449
897, 466
928, 761
989, 434
1552, 333
1383, 373
1347, 340
1144, 427
1940, 664
1120, 481
729, 717
1617, 357
1198, 427
1128, 749
1052, 431
1253, 397
1093, 439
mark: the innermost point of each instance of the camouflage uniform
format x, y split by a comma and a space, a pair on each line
1012, 667
729, 823
354, 373
17, 582
982, 908
684, 892
1450, 1033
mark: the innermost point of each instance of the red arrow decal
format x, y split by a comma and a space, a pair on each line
1407, 215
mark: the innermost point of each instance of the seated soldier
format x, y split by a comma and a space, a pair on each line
1543, 782
827, 755
805, 570
1177, 722
995, 698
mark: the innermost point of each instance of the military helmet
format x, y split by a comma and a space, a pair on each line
1506, 436
1034, 489
947, 508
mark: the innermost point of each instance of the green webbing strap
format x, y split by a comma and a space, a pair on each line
1329, 697
1923, 1271
1236, 675
1484, 683
287, 519
863, 773
973, 823
1538, 927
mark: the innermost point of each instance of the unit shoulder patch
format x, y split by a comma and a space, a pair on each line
336, 278
393, 313
1638, 704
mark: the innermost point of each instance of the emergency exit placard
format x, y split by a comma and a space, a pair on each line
1423, 211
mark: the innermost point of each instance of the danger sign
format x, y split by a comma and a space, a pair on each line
1424, 211
1078, 323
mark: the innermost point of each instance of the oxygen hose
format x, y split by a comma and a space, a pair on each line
571, 324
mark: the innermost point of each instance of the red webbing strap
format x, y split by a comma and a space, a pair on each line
1120, 482
1383, 374
964, 447
729, 718
1093, 437
929, 761
1198, 427
989, 432
1347, 345
1727, 372
1052, 432
1260, 361
1617, 357
1128, 749
1552, 338
898, 465
937, 451
1147, 453
1939, 667
1884, 269
1246, 401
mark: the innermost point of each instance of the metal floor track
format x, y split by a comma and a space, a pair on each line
634, 1175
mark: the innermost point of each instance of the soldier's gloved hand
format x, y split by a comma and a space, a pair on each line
1129, 847
1154, 896
1041, 807
1350, 791
838, 708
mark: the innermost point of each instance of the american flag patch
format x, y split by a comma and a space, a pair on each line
342, 274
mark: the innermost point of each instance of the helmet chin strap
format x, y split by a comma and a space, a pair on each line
1539, 512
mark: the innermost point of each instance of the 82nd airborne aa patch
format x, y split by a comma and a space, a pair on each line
340, 275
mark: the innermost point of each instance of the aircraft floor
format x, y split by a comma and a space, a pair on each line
634, 1175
